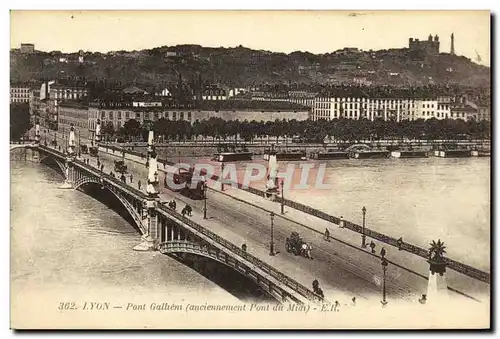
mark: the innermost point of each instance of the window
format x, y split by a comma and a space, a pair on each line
138, 116
181, 114
174, 116
110, 114
103, 114
189, 116
119, 115
127, 115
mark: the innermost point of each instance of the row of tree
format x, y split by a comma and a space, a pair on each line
308, 130
19, 120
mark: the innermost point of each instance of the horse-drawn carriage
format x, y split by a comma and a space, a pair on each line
120, 166
296, 245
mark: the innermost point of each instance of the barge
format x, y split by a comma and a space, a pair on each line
330, 155
286, 155
409, 154
233, 156
369, 154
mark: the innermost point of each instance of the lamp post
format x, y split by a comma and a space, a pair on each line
221, 176
384, 270
271, 247
204, 199
363, 236
282, 196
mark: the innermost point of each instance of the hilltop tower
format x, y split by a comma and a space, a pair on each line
452, 51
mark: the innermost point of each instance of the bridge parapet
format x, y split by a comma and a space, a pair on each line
263, 279
268, 269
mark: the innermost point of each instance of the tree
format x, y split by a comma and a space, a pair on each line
19, 120
131, 128
108, 130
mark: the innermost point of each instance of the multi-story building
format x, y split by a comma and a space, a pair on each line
120, 112
19, 93
52, 93
71, 112
34, 102
213, 92
303, 98
431, 46
370, 108
484, 113
27, 48
464, 112
426, 109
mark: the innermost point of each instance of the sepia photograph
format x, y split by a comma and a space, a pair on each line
223, 169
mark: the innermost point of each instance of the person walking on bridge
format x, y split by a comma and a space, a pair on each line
139, 185
131, 178
327, 235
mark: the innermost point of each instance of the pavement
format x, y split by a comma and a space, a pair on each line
343, 269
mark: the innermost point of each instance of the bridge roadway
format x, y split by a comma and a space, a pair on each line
342, 270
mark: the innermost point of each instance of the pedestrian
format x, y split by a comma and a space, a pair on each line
327, 235
336, 308
353, 300
131, 177
102, 167
244, 247
139, 184
98, 163
341, 222
423, 300
123, 178
372, 246
400, 243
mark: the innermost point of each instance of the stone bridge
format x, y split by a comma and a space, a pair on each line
170, 232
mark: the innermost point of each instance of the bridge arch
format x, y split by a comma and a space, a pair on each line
60, 166
205, 250
358, 147
86, 180
16, 146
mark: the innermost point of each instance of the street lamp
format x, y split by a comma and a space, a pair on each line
271, 248
282, 196
384, 270
363, 236
204, 199
222, 176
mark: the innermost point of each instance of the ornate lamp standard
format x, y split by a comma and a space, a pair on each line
384, 270
363, 236
282, 182
222, 176
204, 199
271, 247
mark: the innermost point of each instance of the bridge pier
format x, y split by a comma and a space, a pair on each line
35, 155
151, 225
68, 174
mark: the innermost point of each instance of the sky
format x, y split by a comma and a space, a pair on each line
277, 31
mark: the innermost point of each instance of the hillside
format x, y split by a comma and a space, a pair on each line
244, 67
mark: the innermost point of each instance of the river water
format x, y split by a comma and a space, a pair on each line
67, 240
